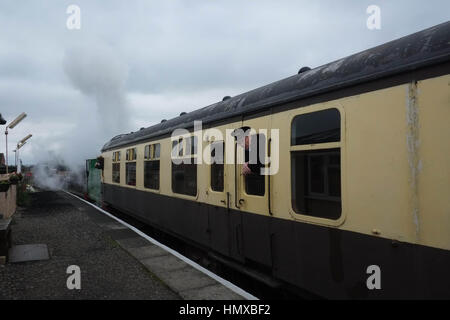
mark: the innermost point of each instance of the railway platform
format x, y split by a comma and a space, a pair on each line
114, 260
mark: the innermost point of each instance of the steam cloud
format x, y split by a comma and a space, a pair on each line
101, 76
53, 175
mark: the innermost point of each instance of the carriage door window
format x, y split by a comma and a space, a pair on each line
316, 164
130, 173
184, 171
116, 167
217, 165
254, 159
151, 166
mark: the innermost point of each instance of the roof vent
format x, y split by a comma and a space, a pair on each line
226, 98
304, 69
163, 120
142, 128
182, 114
118, 136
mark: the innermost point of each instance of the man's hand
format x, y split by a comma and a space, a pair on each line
245, 169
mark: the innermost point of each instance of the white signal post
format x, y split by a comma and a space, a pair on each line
11, 126
20, 144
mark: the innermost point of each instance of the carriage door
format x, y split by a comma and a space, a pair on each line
219, 197
253, 189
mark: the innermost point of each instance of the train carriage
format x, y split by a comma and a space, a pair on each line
362, 179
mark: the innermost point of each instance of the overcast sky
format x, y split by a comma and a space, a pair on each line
133, 63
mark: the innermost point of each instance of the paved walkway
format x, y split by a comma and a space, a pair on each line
115, 262
72, 233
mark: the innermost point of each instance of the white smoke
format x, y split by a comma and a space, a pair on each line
55, 174
99, 74
46, 177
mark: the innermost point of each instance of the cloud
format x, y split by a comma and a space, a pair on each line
133, 63
150, 108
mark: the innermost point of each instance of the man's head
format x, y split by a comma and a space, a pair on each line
244, 142
242, 136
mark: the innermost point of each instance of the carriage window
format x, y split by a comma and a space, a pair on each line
131, 154
217, 165
157, 150
254, 156
147, 152
174, 148
184, 177
116, 156
116, 172
151, 166
315, 171
151, 174
130, 167
131, 173
316, 183
191, 146
180, 147
316, 127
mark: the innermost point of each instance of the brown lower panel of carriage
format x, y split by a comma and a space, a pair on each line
325, 261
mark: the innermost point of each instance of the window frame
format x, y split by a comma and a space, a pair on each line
135, 173
174, 149
211, 166
191, 148
326, 194
131, 154
115, 159
180, 153
150, 156
116, 156
196, 179
244, 180
316, 147
112, 172
131, 157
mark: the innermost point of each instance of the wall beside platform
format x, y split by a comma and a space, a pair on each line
8, 202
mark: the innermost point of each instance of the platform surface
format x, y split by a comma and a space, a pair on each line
28, 252
115, 261
69, 229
